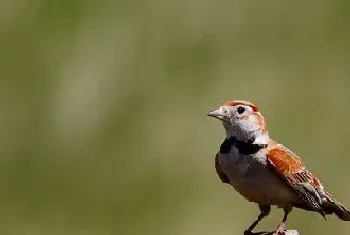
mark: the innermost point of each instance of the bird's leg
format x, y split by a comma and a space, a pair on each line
264, 211
282, 226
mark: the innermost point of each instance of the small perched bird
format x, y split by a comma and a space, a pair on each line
264, 171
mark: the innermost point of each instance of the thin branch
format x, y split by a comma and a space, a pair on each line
287, 232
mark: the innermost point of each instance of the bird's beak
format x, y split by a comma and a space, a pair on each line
219, 114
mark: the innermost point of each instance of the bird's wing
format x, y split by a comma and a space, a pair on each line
219, 171
292, 171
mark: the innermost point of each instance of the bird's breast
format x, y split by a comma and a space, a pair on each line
250, 176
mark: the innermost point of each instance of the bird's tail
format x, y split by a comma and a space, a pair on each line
332, 206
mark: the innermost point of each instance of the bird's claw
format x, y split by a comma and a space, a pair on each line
280, 230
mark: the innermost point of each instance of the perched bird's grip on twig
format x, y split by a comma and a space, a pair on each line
287, 232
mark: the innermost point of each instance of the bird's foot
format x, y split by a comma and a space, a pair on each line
281, 230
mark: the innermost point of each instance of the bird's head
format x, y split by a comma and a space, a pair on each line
242, 120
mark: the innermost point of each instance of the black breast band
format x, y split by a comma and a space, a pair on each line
242, 146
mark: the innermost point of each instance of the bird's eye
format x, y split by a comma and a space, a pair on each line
240, 109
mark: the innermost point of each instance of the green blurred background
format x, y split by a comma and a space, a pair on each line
103, 110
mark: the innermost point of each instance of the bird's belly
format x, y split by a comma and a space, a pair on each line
252, 179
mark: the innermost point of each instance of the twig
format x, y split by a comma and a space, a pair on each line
287, 232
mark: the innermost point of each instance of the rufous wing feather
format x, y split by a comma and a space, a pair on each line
292, 171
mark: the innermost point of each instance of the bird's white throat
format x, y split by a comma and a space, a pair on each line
259, 136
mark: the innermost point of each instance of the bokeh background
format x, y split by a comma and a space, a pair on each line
103, 106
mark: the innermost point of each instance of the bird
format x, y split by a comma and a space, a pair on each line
264, 171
